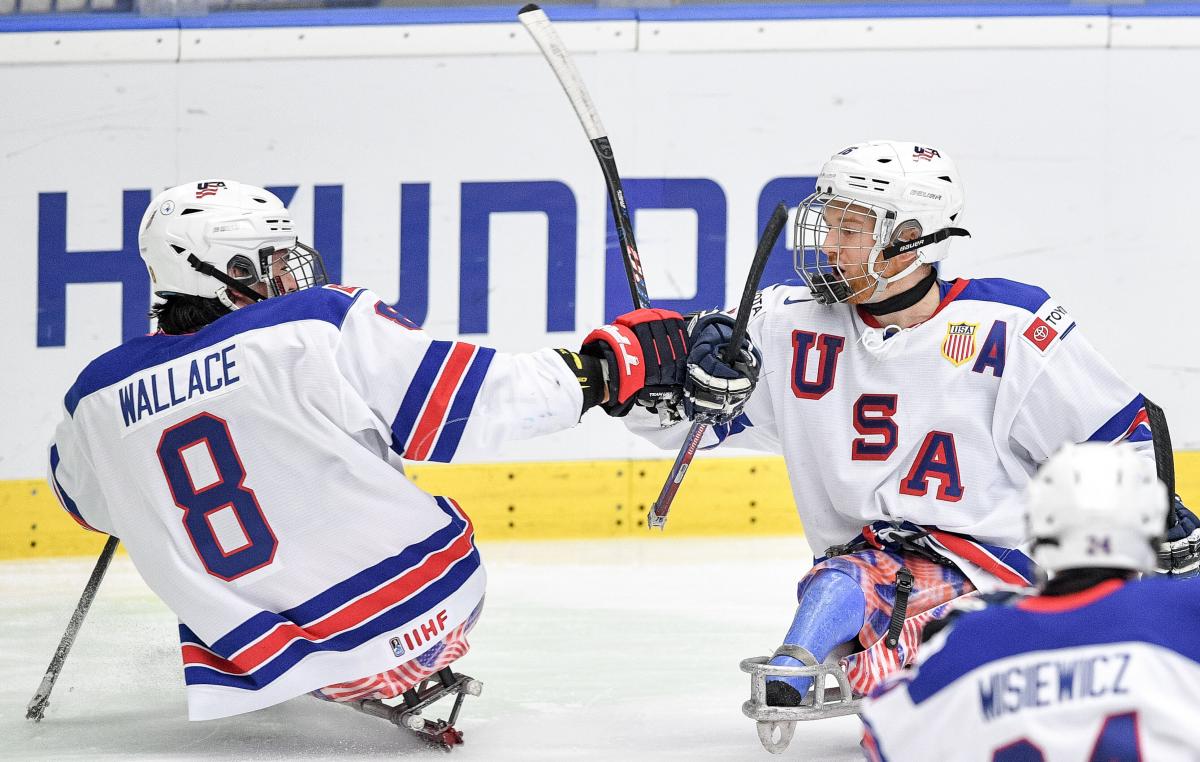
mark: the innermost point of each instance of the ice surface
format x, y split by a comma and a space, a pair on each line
616, 649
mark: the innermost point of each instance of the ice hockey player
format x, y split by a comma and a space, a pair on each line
910, 410
1095, 661
248, 454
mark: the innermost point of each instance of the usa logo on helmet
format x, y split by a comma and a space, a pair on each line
209, 188
959, 344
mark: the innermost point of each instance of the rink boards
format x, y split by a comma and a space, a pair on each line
533, 501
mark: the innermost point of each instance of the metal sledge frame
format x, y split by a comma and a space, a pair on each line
776, 724
407, 714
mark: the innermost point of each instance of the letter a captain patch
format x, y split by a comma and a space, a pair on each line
959, 344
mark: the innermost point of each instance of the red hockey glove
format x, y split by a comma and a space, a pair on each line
645, 354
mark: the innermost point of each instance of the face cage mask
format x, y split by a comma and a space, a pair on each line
296, 269
852, 217
286, 271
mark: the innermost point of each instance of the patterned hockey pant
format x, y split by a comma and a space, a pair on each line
934, 587
395, 681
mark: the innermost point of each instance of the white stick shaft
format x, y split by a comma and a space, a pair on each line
543, 33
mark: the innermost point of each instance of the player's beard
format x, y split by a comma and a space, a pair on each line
861, 283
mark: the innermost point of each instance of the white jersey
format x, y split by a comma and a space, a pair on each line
1110, 673
252, 469
938, 425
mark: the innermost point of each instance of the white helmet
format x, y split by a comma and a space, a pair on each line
909, 193
1096, 505
206, 238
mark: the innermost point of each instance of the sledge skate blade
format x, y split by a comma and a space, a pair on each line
440, 733
820, 702
775, 736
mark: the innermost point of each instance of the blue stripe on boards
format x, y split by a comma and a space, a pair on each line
740, 11
390, 16
348, 17
315, 17
84, 22
1154, 8
460, 410
418, 392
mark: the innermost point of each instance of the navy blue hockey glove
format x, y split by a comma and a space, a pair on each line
716, 391
644, 354
1179, 554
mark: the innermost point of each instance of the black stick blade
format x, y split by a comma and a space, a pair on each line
766, 243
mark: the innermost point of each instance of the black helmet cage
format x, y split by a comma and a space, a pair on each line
303, 263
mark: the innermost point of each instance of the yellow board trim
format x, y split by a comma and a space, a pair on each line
532, 501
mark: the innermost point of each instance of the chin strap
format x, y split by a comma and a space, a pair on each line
204, 268
897, 248
904, 299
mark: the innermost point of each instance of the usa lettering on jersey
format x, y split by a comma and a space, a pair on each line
938, 424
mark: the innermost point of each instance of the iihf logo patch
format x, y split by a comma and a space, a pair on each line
959, 344
397, 646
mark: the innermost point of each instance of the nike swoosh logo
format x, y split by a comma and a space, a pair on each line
795, 301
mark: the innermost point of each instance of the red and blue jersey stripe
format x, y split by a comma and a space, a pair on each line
435, 409
1008, 565
346, 615
1130, 424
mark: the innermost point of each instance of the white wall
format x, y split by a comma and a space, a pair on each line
1081, 167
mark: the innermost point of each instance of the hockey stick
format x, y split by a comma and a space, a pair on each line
37, 705
1164, 454
537, 23
657, 517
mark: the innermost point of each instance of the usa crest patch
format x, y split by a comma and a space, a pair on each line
959, 344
